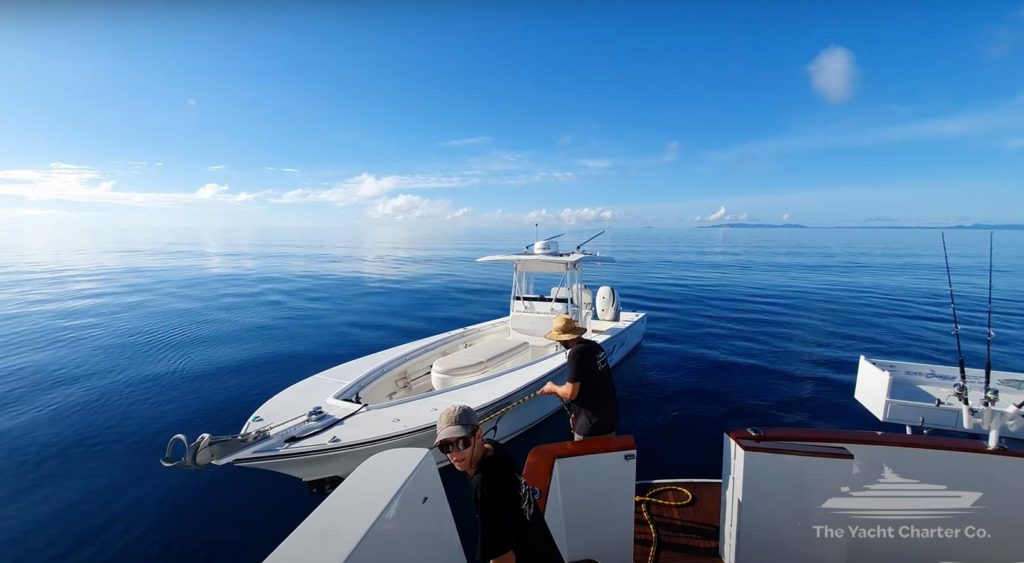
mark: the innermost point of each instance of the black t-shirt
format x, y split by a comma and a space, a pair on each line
509, 519
596, 407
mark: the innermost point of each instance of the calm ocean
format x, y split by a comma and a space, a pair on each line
111, 344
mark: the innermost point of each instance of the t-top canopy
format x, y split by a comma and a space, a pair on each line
547, 262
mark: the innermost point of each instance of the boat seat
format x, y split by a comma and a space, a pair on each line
475, 361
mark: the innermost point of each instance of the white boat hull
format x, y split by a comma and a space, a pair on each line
406, 423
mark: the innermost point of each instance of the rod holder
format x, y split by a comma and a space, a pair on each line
993, 433
968, 416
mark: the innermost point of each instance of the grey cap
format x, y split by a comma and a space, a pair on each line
456, 421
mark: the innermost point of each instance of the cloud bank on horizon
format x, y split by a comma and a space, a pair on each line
830, 123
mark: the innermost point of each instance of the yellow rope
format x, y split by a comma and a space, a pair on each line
643, 500
516, 404
508, 408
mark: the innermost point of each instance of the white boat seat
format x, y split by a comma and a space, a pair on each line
479, 359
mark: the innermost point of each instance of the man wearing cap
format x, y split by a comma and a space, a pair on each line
589, 386
512, 528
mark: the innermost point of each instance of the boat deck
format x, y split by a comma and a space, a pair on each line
685, 533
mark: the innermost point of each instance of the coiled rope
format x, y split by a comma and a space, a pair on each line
649, 498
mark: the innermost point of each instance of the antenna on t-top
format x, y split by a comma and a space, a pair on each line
580, 245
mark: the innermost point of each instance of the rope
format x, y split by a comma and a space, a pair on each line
643, 500
508, 408
504, 410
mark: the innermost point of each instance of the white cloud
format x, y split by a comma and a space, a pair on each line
210, 191
367, 187
499, 215
586, 215
69, 182
466, 142
786, 216
538, 215
833, 73
498, 161
271, 168
407, 206
594, 163
572, 216
671, 151
32, 211
743, 217
540, 177
58, 182
216, 168
1007, 116
64, 166
717, 215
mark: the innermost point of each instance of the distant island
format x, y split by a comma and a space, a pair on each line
754, 226
975, 226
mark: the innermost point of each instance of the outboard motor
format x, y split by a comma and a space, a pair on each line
607, 304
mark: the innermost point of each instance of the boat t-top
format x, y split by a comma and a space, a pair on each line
324, 426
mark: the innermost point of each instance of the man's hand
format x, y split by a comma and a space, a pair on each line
565, 392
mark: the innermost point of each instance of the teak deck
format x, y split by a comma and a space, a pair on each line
685, 533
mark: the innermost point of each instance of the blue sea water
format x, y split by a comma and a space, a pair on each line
110, 344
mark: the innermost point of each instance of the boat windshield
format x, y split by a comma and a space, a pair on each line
544, 292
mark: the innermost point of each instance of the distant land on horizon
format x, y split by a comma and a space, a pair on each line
754, 226
975, 226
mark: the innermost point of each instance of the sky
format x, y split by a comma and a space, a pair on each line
474, 113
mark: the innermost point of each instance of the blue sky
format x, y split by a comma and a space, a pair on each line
626, 114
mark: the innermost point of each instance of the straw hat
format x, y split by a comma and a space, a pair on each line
563, 327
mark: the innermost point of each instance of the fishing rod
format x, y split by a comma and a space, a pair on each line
991, 335
960, 389
580, 245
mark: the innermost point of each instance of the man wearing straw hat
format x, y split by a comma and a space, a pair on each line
511, 527
595, 410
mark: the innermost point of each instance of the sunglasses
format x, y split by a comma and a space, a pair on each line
457, 445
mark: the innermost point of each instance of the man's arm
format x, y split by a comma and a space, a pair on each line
509, 557
567, 392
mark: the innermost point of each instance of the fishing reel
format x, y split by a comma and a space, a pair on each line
960, 390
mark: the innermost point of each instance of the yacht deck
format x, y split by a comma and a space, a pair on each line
685, 533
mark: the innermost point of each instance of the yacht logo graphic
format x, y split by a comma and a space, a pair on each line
893, 497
